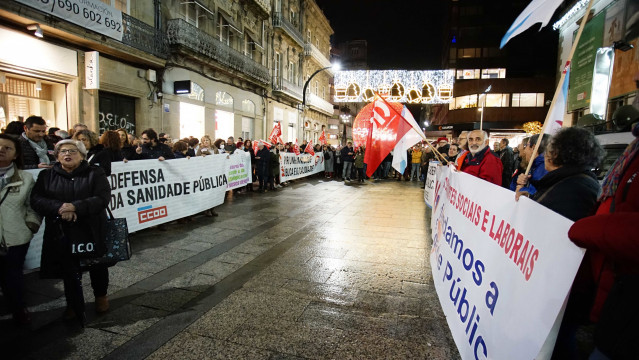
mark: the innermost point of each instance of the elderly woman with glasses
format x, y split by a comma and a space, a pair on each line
73, 196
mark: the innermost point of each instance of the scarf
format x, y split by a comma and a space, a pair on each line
6, 174
40, 148
612, 179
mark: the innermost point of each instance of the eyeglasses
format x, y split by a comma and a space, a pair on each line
68, 151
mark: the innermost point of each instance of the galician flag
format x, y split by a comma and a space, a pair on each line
538, 11
413, 135
558, 108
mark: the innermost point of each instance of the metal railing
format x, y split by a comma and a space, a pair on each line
312, 50
179, 32
143, 36
293, 32
287, 87
320, 104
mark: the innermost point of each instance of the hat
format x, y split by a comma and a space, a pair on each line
442, 139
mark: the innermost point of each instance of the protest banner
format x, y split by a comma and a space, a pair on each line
152, 192
298, 166
501, 278
429, 187
239, 170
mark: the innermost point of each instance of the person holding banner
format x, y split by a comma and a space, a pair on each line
610, 236
207, 148
481, 162
18, 223
538, 170
263, 158
73, 196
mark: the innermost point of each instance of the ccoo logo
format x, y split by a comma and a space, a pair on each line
149, 213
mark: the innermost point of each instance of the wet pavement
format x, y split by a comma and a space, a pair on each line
319, 270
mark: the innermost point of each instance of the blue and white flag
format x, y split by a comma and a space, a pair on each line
410, 138
538, 11
558, 109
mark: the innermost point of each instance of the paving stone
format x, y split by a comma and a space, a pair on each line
190, 346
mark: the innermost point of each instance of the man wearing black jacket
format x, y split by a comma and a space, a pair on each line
151, 148
36, 152
348, 156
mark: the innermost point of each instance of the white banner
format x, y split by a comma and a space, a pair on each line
502, 269
429, 187
152, 192
298, 166
90, 14
239, 171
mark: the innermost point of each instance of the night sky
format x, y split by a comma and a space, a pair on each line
401, 34
404, 34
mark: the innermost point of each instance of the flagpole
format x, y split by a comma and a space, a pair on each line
561, 81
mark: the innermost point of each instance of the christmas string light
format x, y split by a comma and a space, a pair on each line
415, 87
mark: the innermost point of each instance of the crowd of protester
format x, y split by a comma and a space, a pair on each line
72, 194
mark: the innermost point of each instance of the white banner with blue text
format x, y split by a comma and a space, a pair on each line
502, 269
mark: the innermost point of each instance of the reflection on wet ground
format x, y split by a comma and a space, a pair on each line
315, 270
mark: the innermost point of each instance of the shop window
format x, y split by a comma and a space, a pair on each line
497, 100
248, 106
464, 102
224, 124
191, 120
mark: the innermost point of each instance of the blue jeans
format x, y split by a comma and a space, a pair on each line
414, 172
348, 167
387, 167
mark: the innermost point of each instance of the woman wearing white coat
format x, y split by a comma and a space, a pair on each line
18, 223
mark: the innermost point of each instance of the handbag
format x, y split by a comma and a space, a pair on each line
117, 243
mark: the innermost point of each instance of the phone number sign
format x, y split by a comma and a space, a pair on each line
90, 14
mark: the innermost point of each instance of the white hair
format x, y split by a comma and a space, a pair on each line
78, 144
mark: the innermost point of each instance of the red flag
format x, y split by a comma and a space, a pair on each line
296, 148
384, 132
322, 138
279, 140
309, 148
255, 144
275, 133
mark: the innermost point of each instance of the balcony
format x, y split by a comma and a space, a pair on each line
280, 22
320, 104
181, 33
264, 5
313, 51
143, 37
287, 88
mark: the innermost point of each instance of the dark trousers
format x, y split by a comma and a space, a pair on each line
73, 285
338, 169
262, 174
11, 278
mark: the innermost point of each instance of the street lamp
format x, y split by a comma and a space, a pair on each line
335, 67
481, 118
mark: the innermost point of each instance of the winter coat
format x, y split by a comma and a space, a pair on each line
154, 152
103, 157
508, 161
128, 152
16, 211
537, 171
30, 157
329, 160
87, 188
484, 165
569, 191
345, 156
416, 157
610, 236
275, 164
359, 160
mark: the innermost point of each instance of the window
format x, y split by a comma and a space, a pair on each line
468, 74
333, 127
223, 30
294, 17
324, 92
276, 65
354, 51
308, 36
464, 102
316, 88
122, 5
493, 73
469, 53
224, 99
194, 13
528, 100
291, 72
497, 100
491, 52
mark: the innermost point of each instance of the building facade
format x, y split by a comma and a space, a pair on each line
218, 67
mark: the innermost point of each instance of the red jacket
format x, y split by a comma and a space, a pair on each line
484, 165
611, 238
